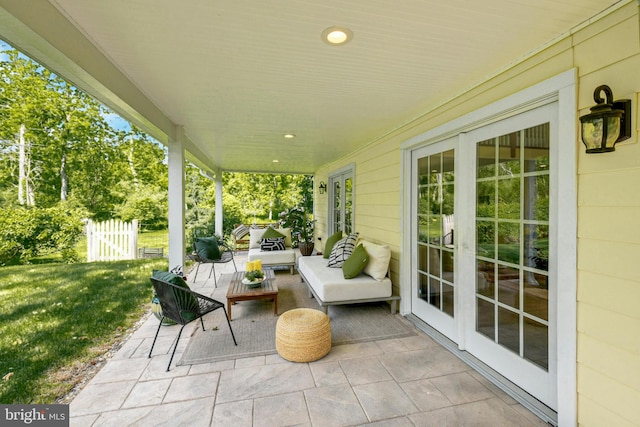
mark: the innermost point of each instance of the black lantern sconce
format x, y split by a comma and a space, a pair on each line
609, 122
322, 187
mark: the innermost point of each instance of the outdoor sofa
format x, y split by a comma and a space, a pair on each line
329, 285
271, 253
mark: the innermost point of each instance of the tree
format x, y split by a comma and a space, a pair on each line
23, 105
148, 204
263, 196
58, 146
56, 128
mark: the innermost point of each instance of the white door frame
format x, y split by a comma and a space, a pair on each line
561, 88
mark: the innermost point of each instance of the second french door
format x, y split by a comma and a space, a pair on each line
483, 239
341, 205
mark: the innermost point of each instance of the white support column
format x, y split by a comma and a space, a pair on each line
219, 217
175, 164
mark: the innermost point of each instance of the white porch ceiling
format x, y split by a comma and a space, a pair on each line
237, 75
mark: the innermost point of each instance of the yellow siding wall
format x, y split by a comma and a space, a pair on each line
604, 52
608, 52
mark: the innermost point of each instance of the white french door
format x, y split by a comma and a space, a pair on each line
433, 276
341, 197
483, 274
513, 294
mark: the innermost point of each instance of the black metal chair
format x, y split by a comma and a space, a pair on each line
226, 255
183, 306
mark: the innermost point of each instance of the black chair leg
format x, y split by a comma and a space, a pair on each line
229, 323
215, 280
175, 347
156, 337
196, 275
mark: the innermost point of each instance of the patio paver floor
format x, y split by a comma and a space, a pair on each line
409, 381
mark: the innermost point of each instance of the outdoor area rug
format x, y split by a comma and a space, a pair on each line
254, 323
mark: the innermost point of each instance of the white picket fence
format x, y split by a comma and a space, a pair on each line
112, 240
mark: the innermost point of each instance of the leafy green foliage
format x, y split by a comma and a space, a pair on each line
30, 232
253, 275
59, 137
148, 205
300, 223
54, 319
247, 198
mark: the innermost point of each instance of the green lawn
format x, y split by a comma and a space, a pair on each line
56, 318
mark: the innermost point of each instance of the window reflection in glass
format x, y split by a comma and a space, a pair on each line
485, 318
536, 200
536, 342
509, 329
486, 159
509, 242
435, 221
509, 198
509, 286
485, 283
536, 296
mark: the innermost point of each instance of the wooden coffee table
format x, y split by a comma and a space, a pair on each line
238, 291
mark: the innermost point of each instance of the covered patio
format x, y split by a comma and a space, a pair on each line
372, 383
404, 107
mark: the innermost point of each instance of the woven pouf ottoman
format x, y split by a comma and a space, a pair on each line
303, 335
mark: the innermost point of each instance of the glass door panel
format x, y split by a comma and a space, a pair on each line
434, 239
513, 296
341, 197
512, 200
348, 205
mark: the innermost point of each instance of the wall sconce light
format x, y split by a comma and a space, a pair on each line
322, 187
609, 122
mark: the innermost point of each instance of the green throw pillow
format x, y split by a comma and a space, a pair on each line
207, 247
271, 233
355, 263
331, 241
188, 302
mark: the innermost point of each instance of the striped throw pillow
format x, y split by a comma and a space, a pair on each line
240, 231
342, 250
272, 244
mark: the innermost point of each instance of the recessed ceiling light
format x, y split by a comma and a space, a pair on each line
289, 135
337, 36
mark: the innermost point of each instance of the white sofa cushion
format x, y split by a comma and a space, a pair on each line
255, 236
330, 285
379, 257
288, 256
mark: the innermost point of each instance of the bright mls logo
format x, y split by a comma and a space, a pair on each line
36, 415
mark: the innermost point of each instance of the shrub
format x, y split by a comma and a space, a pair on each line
148, 205
26, 233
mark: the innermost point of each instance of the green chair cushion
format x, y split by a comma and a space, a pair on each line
355, 263
188, 302
207, 247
